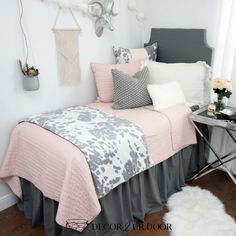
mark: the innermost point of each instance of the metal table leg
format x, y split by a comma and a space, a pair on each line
219, 160
231, 135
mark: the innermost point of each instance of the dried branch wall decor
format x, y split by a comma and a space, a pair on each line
30, 73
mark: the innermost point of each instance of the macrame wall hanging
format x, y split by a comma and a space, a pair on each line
67, 47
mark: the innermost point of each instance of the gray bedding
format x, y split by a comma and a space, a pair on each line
148, 191
128, 203
114, 148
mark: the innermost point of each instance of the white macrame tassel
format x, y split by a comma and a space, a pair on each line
67, 45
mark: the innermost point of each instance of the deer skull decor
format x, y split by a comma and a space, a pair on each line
103, 11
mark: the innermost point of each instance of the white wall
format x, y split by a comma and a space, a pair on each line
183, 14
15, 103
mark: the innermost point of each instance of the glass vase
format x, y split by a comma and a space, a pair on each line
220, 103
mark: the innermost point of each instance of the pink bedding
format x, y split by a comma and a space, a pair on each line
60, 170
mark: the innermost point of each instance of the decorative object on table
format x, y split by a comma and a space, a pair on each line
223, 88
132, 6
67, 46
103, 11
211, 110
30, 73
205, 207
228, 112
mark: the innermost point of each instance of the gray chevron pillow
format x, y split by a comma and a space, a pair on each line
130, 91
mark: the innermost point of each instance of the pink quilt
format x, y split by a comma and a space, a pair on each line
60, 170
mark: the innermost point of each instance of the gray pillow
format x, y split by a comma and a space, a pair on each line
130, 91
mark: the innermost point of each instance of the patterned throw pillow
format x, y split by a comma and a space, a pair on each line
125, 55
130, 91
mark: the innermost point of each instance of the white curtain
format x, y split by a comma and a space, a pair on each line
225, 51
225, 66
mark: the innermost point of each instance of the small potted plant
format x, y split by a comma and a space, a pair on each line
223, 88
30, 77
30, 73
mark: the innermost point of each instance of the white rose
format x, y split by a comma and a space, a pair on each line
215, 83
229, 86
221, 83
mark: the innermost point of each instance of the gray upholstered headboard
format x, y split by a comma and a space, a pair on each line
181, 45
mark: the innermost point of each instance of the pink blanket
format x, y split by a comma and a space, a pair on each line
60, 170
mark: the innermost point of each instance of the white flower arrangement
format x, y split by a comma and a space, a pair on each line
222, 87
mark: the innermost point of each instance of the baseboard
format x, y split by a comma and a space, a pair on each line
7, 201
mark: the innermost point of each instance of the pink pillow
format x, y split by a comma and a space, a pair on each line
103, 77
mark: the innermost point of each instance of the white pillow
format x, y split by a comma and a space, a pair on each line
194, 78
166, 95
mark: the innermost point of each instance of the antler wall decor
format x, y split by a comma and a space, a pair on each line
103, 11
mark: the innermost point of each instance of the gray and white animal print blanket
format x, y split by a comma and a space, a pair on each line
114, 148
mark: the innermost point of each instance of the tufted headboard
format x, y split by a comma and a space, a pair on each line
181, 45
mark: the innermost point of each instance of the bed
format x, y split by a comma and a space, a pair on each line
147, 192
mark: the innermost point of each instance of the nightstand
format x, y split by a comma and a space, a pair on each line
201, 116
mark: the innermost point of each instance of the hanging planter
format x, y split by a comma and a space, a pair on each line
30, 77
30, 83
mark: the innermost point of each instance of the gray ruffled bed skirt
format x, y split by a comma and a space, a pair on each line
128, 203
